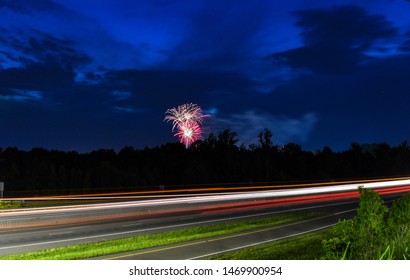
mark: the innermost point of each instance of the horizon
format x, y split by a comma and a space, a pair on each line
176, 142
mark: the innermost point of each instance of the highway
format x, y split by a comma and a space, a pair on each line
35, 229
222, 244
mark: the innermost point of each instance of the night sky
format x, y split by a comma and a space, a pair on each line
89, 74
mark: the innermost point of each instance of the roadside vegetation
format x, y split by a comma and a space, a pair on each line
146, 241
376, 232
10, 204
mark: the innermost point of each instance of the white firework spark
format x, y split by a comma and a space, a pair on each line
187, 118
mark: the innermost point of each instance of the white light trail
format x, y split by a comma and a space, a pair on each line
209, 198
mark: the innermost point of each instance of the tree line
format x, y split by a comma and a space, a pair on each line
218, 159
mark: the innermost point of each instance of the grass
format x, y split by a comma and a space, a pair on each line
90, 250
304, 247
10, 204
35, 203
397, 247
375, 233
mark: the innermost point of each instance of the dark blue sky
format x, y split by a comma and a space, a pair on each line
90, 74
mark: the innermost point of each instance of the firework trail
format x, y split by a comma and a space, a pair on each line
189, 133
185, 113
187, 118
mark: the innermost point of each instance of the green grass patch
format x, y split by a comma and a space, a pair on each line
10, 204
146, 241
36, 203
64, 202
304, 247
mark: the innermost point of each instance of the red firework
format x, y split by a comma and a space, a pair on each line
187, 118
188, 133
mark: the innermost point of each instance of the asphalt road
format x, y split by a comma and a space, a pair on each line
203, 248
140, 219
38, 238
222, 244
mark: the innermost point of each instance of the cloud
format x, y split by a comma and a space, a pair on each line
39, 47
128, 109
335, 40
19, 95
37, 64
405, 46
121, 95
22, 21
34, 60
29, 6
103, 75
166, 88
219, 40
284, 129
363, 106
37, 76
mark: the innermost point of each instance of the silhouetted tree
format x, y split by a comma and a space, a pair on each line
265, 139
216, 159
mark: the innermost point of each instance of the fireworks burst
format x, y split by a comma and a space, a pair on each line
187, 118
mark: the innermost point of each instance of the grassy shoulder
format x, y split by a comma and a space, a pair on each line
305, 247
10, 204
36, 203
377, 232
146, 241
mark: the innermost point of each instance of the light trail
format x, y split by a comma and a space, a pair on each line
201, 191
216, 197
100, 212
301, 199
152, 229
204, 214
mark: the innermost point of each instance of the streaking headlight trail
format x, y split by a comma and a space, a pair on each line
163, 200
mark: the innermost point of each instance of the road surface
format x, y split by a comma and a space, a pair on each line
119, 220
